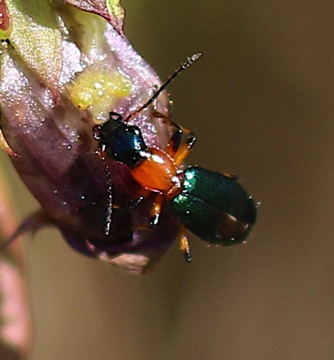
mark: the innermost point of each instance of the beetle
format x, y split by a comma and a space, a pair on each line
213, 206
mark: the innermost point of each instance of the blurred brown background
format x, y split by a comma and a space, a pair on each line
261, 101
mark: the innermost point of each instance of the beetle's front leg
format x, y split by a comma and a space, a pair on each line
177, 148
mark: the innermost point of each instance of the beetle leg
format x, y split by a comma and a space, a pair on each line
156, 210
184, 244
174, 142
140, 196
230, 175
175, 148
185, 148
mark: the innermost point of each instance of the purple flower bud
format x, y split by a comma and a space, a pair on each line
61, 74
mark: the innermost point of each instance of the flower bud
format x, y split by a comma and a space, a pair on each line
63, 70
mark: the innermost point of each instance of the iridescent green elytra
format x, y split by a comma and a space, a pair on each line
214, 207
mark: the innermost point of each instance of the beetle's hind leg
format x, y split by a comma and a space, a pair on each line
184, 244
231, 176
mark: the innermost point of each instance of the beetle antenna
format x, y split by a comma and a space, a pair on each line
108, 220
184, 66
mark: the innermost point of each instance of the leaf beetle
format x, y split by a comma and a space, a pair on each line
213, 206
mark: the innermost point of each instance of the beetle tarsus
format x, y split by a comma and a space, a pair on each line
154, 222
134, 203
184, 245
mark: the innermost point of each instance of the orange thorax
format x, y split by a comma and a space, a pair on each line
157, 172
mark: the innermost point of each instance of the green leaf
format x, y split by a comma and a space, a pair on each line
37, 39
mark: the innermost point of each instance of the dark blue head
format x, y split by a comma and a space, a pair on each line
122, 142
